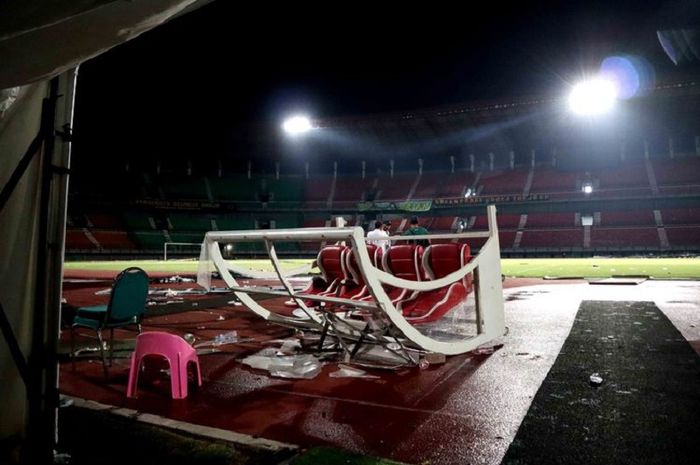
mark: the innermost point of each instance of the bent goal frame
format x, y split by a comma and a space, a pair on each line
380, 322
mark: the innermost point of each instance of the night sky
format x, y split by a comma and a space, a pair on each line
202, 84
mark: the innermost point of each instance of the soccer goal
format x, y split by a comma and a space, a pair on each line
181, 251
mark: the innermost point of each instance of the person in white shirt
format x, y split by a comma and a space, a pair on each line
378, 234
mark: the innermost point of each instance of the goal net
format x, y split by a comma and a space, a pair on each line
181, 250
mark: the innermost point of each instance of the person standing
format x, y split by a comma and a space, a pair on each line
378, 236
416, 230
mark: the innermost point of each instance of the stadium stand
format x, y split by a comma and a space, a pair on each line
680, 216
77, 240
550, 220
184, 188
503, 182
551, 238
684, 236
645, 196
319, 190
114, 240
627, 218
554, 182
396, 188
622, 238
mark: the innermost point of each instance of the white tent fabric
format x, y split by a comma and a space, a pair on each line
40, 40
18, 230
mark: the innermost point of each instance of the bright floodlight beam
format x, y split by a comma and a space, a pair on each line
297, 125
593, 97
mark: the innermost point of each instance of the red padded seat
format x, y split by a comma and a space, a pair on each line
439, 261
403, 261
353, 285
330, 261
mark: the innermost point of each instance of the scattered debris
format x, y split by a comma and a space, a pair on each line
176, 279
304, 366
345, 371
434, 358
595, 380
486, 350
225, 338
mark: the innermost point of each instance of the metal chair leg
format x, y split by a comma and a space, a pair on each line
102, 352
111, 345
72, 347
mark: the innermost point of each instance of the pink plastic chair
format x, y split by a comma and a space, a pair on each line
176, 351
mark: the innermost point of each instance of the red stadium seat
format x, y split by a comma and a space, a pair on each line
439, 261
331, 263
353, 285
403, 261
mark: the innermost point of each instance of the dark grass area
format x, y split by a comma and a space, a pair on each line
93, 437
646, 411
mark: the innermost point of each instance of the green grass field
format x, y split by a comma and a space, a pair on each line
666, 268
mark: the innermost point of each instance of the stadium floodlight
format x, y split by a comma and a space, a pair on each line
297, 125
593, 97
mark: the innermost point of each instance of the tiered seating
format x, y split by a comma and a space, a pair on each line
551, 239
318, 189
189, 222
309, 246
503, 182
505, 240
289, 190
549, 220
624, 238
77, 240
396, 188
681, 216
454, 185
184, 188
627, 218
504, 221
286, 221
676, 172
352, 188
150, 240
684, 236
235, 223
428, 186
114, 240
627, 179
105, 221
235, 188
137, 221
553, 181
442, 224
187, 238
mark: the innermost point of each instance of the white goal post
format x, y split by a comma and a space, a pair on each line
195, 248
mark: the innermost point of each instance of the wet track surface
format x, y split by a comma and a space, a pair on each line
465, 411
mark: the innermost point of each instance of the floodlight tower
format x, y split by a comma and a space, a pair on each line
593, 97
297, 124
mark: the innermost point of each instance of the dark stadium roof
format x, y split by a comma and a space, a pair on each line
217, 82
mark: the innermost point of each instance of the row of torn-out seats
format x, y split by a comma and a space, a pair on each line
341, 277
